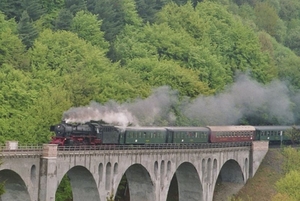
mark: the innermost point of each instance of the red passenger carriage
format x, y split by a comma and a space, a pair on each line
231, 133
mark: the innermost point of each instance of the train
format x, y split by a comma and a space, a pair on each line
98, 133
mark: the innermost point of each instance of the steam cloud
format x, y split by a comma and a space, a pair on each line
245, 98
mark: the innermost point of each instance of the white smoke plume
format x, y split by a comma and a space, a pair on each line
245, 98
139, 112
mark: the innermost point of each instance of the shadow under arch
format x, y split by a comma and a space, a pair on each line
187, 183
138, 184
15, 187
83, 184
230, 180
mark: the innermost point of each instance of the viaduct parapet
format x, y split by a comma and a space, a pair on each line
34, 173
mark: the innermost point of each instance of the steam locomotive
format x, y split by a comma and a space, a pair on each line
97, 133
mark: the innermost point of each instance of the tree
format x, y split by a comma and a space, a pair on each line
75, 6
64, 20
289, 9
148, 8
82, 69
87, 27
130, 14
16, 97
293, 40
160, 73
64, 190
289, 185
52, 5
12, 8
266, 17
112, 14
33, 8
27, 31
294, 135
12, 51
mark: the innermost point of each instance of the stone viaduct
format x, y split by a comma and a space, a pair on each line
35, 174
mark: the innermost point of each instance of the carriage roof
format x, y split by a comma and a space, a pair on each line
231, 128
273, 128
202, 129
144, 129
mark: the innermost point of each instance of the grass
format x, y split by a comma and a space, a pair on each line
262, 186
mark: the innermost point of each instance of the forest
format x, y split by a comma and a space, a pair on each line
159, 60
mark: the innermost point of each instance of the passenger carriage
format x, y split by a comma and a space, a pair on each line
231, 133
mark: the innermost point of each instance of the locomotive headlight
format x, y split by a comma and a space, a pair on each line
59, 130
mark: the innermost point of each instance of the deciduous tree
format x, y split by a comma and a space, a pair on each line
87, 26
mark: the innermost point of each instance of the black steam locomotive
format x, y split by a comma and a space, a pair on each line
96, 133
90, 133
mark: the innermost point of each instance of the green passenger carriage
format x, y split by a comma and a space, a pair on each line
187, 135
143, 135
272, 133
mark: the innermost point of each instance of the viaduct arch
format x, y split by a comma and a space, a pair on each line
95, 174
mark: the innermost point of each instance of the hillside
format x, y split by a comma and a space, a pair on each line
261, 187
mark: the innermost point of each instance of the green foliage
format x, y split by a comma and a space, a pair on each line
33, 8
87, 26
64, 190
292, 159
148, 8
11, 47
27, 31
112, 14
16, 97
159, 73
75, 6
12, 8
2, 189
266, 17
289, 9
52, 5
47, 110
122, 188
47, 21
287, 64
293, 40
294, 135
289, 185
284, 196
130, 13
64, 20
110, 197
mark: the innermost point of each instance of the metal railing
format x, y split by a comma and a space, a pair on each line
157, 146
31, 150
38, 150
